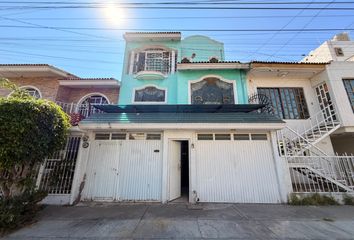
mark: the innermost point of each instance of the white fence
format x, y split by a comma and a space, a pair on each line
57, 173
322, 173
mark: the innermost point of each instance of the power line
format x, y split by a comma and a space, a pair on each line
52, 28
181, 18
185, 30
175, 8
304, 28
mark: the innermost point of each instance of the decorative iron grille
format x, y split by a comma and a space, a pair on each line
261, 99
57, 173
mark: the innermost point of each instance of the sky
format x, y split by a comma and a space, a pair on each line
85, 37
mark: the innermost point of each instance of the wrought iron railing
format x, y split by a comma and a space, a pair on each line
57, 172
322, 173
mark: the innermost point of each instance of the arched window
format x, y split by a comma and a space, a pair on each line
153, 59
34, 92
150, 94
212, 90
86, 105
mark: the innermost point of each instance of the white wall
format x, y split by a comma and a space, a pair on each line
309, 92
326, 52
337, 71
310, 96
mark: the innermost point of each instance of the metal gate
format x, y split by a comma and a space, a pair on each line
126, 169
57, 172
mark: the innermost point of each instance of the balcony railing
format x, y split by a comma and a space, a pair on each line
77, 112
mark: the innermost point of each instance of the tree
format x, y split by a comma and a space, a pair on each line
30, 130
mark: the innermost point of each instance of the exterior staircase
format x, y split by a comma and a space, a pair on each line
297, 142
311, 169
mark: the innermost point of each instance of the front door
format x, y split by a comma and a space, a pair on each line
175, 169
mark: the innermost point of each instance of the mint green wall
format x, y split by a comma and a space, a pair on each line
203, 47
238, 76
176, 83
129, 83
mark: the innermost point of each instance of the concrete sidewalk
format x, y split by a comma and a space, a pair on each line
183, 221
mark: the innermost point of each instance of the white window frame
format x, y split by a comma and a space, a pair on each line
80, 102
30, 86
233, 82
134, 58
145, 86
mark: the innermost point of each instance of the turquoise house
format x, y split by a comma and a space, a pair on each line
163, 68
183, 129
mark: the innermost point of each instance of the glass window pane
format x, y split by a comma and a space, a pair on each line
288, 103
205, 137
153, 136
222, 137
102, 136
241, 137
259, 136
349, 87
119, 136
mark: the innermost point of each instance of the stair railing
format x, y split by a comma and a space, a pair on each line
296, 142
290, 147
322, 173
323, 118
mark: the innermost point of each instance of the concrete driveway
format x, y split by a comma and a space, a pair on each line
183, 221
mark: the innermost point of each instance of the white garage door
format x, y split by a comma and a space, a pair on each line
128, 168
236, 168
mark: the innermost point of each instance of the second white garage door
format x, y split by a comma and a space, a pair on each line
236, 168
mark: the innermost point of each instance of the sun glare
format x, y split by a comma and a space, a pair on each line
114, 13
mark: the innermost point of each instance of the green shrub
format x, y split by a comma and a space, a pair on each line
348, 200
314, 199
18, 210
30, 130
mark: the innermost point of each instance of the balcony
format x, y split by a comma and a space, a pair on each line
150, 75
77, 112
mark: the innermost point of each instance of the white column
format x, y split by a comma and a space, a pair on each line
173, 61
131, 63
282, 170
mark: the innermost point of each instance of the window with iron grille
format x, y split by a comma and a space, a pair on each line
153, 59
288, 103
86, 107
349, 87
32, 91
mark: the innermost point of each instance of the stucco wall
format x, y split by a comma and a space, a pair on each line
176, 88
343, 144
311, 99
186, 77
337, 71
203, 47
305, 84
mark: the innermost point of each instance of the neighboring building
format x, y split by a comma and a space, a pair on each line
338, 85
191, 124
76, 96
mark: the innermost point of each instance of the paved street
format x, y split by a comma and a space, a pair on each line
182, 221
